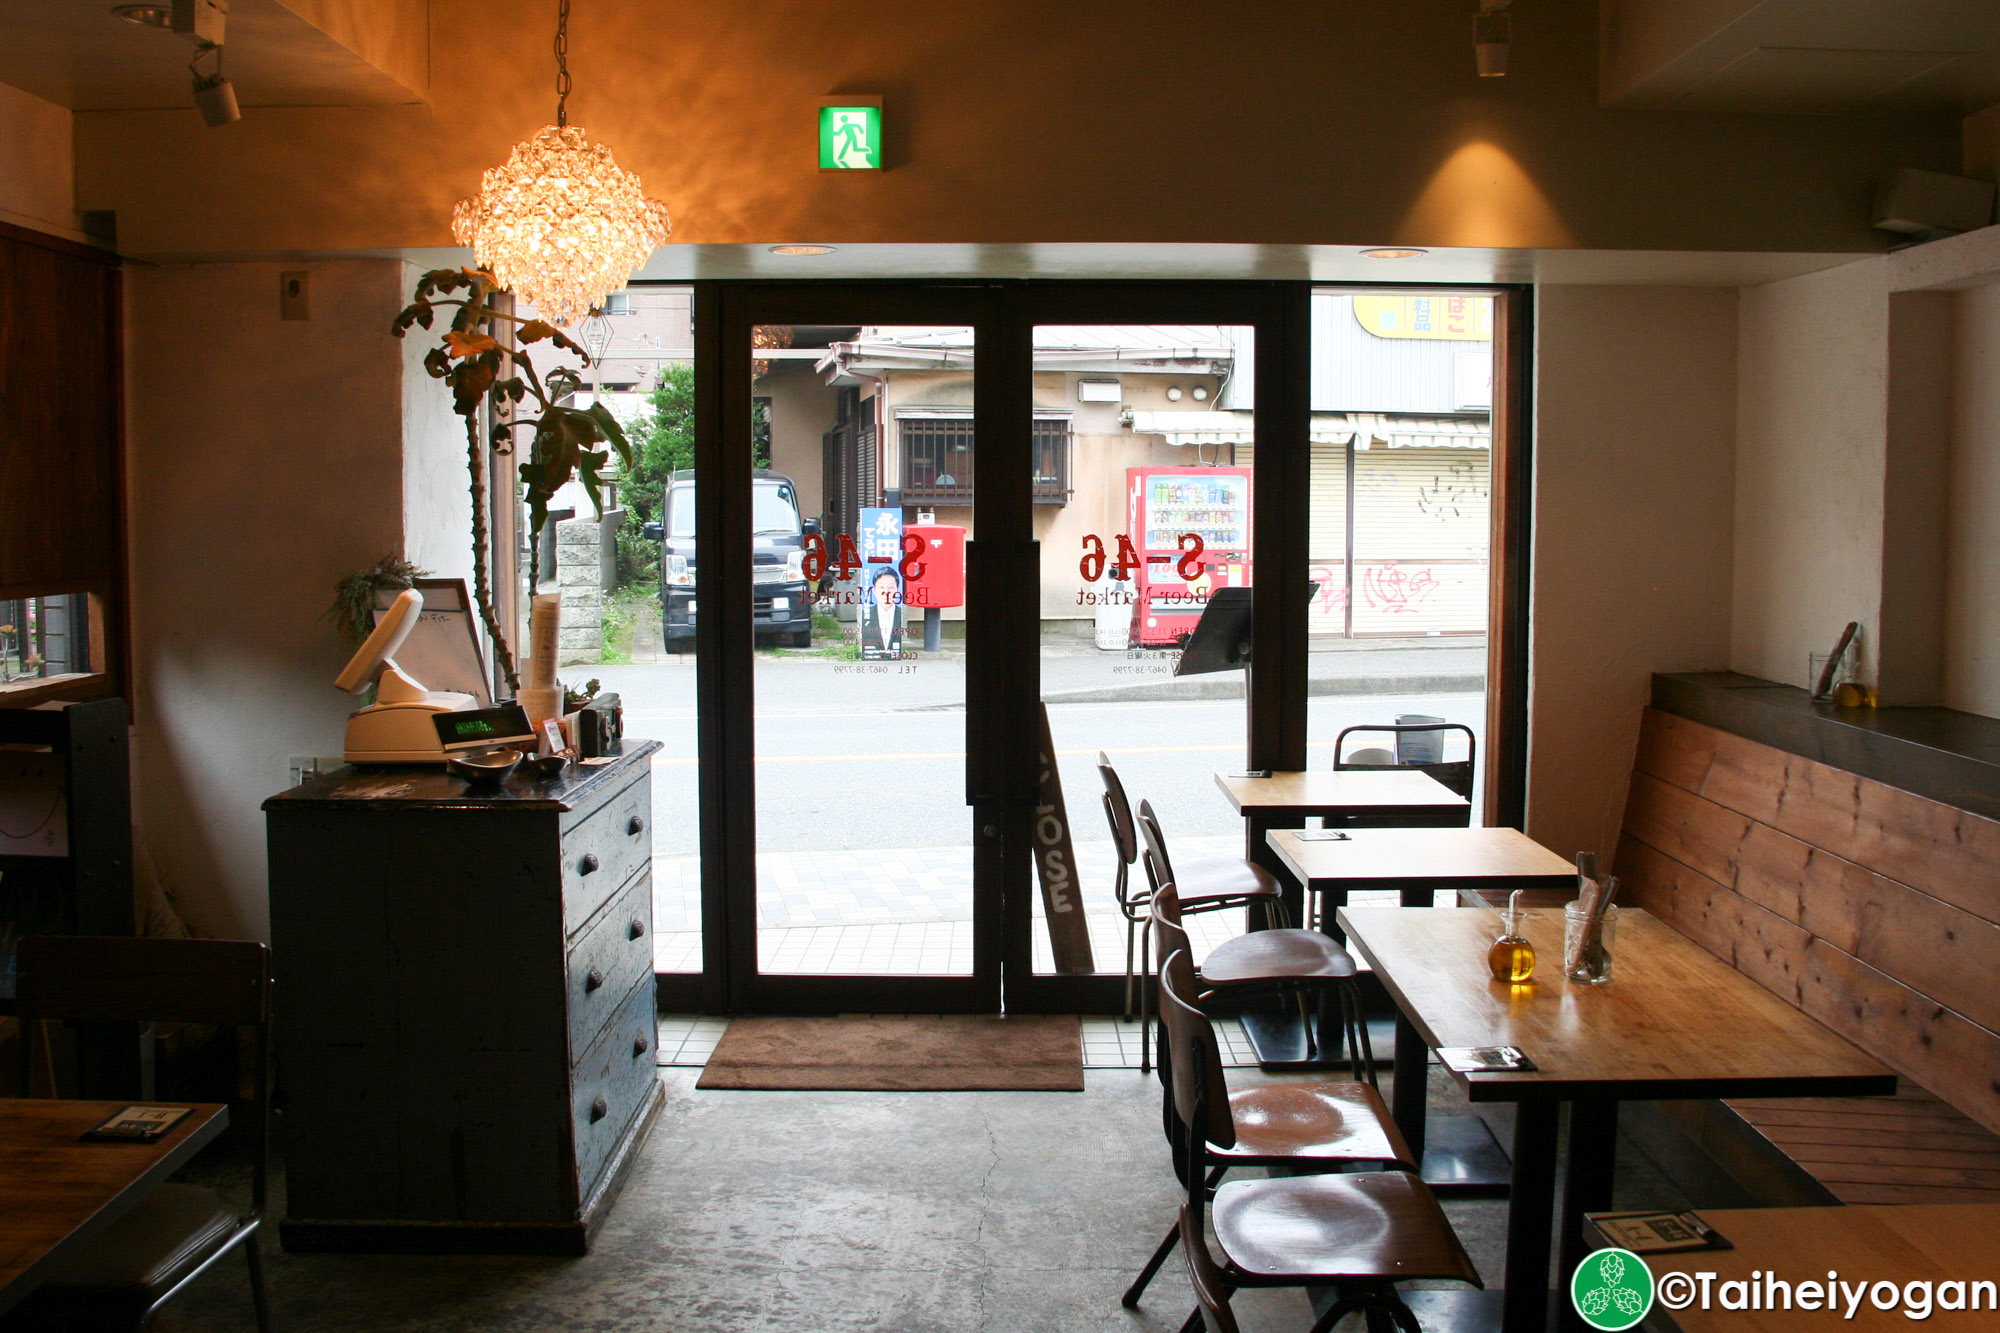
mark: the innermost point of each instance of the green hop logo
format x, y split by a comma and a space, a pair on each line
1612, 1289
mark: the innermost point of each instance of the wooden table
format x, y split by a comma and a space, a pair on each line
1461, 1154
1419, 863
1360, 798
1354, 798
56, 1192
1674, 1022
1898, 1243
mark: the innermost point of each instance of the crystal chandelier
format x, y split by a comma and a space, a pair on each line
561, 224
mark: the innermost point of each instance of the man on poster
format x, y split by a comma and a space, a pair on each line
882, 616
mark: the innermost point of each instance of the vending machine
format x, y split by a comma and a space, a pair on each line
1191, 530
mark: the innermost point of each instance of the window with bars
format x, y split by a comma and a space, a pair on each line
937, 460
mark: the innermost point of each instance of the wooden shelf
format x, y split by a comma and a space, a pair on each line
1941, 753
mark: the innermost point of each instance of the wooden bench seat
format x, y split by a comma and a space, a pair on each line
1910, 1148
1875, 910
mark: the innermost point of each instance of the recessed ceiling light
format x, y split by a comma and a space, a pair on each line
801, 249
1392, 252
146, 16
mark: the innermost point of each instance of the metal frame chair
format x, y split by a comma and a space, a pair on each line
1210, 885
1455, 773
1359, 1232
1292, 1126
177, 1232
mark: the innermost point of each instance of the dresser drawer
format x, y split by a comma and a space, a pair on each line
614, 952
601, 850
612, 1081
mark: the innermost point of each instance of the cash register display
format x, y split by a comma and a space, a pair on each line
480, 728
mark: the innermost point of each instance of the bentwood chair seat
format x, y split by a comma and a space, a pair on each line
1295, 1124
1367, 1226
1273, 957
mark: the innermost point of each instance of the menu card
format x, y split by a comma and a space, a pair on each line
137, 1124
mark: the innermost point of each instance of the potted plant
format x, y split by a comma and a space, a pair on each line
568, 443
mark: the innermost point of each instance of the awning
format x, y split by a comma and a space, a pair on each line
1363, 429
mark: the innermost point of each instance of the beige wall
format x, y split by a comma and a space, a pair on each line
36, 175
802, 412
1635, 402
1972, 526
1812, 405
1028, 121
266, 460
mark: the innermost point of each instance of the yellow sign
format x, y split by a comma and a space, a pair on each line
1446, 315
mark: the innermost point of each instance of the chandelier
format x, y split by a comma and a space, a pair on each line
561, 224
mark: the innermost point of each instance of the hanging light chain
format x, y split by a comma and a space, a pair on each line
562, 62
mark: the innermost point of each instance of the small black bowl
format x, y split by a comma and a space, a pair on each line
547, 768
488, 768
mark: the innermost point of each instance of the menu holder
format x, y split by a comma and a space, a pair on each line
136, 1124
1659, 1233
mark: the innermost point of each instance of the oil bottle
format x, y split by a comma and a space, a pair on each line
1512, 958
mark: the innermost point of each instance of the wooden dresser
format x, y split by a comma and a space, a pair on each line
464, 1005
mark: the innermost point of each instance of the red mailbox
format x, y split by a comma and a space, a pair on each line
943, 581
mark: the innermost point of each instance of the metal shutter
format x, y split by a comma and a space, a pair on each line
1421, 539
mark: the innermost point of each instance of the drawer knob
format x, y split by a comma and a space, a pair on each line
636, 827
588, 865
594, 981
640, 1046
636, 929
598, 1110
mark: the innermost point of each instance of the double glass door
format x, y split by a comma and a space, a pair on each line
946, 546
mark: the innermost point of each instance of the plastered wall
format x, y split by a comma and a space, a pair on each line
1812, 404
37, 177
266, 460
1635, 397
1285, 122
1972, 519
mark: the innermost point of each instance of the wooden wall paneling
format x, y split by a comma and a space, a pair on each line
1890, 831
1716, 842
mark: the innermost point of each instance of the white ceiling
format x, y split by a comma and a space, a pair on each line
1800, 56
78, 54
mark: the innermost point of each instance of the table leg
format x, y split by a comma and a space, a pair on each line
1407, 1097
1530, 1212
1593, 1151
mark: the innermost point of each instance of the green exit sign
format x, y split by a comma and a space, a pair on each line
850, 134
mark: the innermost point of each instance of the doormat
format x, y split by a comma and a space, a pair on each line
952, 1053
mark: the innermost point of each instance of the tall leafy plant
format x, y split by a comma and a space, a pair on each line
568, 443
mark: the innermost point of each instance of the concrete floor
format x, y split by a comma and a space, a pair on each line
903, 1212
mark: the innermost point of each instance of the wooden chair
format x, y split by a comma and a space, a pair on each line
1281, 955
1294, 1126
178, 1231
1212, 884
1359, 1233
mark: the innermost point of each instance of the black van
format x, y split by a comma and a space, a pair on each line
782, 600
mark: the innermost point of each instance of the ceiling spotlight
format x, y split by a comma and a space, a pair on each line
1393, 252
1490, 30
146, 16
798, 249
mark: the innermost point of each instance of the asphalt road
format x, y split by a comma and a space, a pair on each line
851, 759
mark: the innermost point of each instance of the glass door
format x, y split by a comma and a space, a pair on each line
854, 503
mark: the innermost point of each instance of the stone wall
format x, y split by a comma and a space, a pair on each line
580, 580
